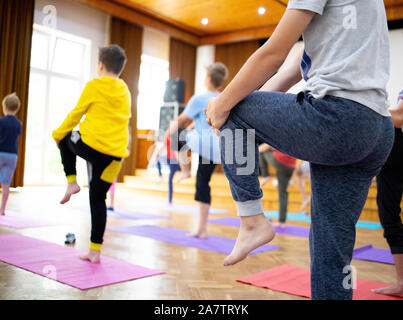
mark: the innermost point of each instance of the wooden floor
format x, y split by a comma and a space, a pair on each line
190, 273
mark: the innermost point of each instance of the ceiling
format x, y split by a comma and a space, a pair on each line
224, 15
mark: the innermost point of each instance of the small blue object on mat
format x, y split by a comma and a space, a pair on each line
304, 218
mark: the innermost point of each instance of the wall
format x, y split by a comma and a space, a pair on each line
80, 20
155, 43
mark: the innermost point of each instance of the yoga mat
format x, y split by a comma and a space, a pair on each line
369, 253
304, 218
289, 230
191, 209
17, 220
296, 281
63, 264
179, 237
127, 214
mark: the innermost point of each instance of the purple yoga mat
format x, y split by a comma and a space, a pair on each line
179, 237
369, 253
289, 230
20, 221
126, 214
191, 209
63, 264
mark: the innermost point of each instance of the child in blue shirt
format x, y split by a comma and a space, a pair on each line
10, 130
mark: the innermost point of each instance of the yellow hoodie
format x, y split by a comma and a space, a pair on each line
106, 104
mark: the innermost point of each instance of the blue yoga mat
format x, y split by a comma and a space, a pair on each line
302, 217
179, 237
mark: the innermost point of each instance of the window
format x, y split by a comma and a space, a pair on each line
154, 73
60, 67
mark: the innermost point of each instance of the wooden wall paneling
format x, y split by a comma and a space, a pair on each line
182, 64
234, 55
129, 37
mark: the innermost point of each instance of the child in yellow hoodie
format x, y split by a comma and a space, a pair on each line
102, 139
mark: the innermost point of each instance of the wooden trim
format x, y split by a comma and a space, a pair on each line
134, 6
239, 36
139, 18
394, 12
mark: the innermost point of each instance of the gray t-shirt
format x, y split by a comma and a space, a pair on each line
347, 51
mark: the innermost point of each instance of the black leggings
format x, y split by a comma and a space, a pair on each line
102, 171
390, 189
204, 173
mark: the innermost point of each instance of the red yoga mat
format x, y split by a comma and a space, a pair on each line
296, 281
64, 265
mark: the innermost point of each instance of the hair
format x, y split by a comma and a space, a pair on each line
218, 73
114, 58
12, 103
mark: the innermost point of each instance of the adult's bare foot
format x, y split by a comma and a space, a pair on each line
198, 234
395, 290
255, 231
93, 256
72, 188
3, 213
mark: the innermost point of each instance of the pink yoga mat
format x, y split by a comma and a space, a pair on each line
41, 257
20, 221
296, 281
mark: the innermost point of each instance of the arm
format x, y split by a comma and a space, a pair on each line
74, 117
180, 122
260, 66
289, 74
397, 115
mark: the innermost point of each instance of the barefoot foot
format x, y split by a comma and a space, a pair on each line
184, 176
395, 290
93, 256
255, 232
72, 188
281, 225
198, 234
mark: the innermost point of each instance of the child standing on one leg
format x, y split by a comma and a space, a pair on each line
10, 130
102, 139
202, 141
340, 124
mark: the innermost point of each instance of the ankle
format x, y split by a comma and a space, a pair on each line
252, 222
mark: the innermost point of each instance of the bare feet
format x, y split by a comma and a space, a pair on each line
264, 181
72, 188
199, 235
281, 225
184, 176
2, 213
395, 290
93, 256
255, 232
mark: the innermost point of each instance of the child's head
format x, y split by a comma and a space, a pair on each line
217, 74
11, 104
112, 60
